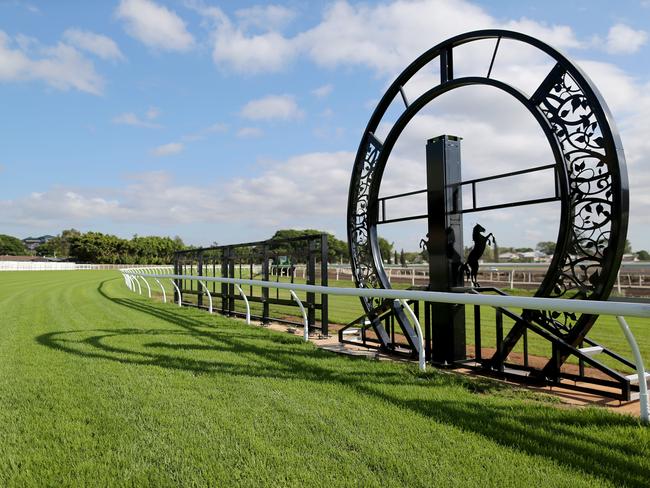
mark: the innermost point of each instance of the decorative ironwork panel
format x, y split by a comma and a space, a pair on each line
571, 115
362, 260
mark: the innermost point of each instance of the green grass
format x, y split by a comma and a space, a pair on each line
101, 387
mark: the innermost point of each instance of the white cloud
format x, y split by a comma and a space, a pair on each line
130, 118
98, 44
60, 66
58, 205
265, 17
217, 128
154, 25
378, 36
268, 52
26, 43
167, 149
322, 91
272, 107
622, 39
399, 31
262, 200
560, 36
250, 132
237, 50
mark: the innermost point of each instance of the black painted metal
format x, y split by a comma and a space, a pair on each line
445, 246
257, 257
474, 207
590, 184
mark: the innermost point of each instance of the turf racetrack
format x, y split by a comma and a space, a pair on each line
102, 387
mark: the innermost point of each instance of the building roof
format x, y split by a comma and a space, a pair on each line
46, 237
33, 259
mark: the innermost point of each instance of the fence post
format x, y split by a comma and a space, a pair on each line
199, 271
224, 274
265, 290
162, 288
311, 280
231, 274
640, 369
304, 315
324, 278
178, 295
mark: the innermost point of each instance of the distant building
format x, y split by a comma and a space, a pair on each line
23, 259
528, 256
508, 256
32, 243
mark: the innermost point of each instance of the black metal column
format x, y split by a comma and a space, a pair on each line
311, 280
265, 291
225, 255
231, 274
445, 246
178, 269
324, 311
199, 288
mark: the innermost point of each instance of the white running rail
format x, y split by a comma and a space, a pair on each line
620, 310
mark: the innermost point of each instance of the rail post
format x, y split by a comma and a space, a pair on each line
248, 307
162, 288
178, 292
304, 315
640, 369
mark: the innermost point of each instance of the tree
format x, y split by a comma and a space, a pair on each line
178, 242
643, 255
58, 246
385, 249
628, 247
395, 258
424, 256
337, 249
95, 247
414, 257
402, 258
547, 247
12, 246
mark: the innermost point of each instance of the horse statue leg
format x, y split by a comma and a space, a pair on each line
474, 275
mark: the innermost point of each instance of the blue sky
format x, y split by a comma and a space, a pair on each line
223, 121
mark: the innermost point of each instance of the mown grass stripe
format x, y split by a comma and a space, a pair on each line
102, 387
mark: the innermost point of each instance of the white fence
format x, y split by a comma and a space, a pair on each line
619, 310
631, 274
55, 266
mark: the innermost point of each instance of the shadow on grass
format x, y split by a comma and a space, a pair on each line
587, 440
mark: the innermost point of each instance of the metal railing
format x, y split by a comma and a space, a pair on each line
620, 310
56, 266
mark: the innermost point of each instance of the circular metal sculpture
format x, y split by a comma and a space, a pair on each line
589, 166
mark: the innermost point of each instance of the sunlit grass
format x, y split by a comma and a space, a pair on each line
102, 387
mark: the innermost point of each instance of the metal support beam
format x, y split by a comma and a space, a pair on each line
445, 245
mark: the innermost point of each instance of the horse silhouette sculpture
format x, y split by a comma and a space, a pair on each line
470, 267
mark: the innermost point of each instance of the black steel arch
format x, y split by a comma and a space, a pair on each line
590, 165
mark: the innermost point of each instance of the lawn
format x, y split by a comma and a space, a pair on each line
102, 387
